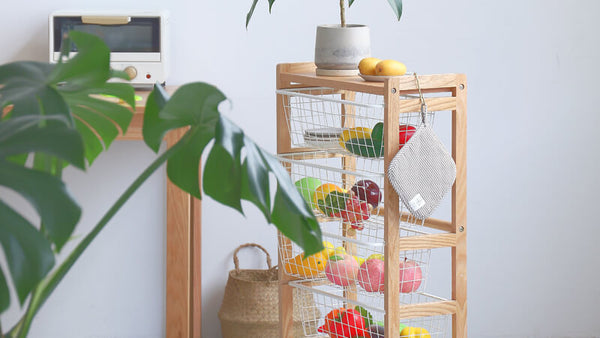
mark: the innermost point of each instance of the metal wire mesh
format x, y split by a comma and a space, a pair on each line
341, 316
342, 121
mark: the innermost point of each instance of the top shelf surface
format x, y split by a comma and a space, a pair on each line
294, 75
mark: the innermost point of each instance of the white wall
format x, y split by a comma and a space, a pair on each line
532, 162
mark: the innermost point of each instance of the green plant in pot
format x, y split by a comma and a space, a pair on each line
54, 116
339, 48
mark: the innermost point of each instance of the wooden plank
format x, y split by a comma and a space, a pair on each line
392, 211
196, 266
433, 223
286, 299
433, 104
431, 241
353, 83
179, 299
426, 310
459, 208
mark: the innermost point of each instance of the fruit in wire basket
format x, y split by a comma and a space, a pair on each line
366, 66
414, 332
390, 68
354, 133
411, 276
377, 330
307, 187
344, 323
322, 191
367, 191
309, 267
356, 212
334, 203
341, 270
405, 132
376, 256
371, 275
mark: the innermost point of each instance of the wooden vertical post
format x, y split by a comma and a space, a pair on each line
179, 267
286, 305
459, 209
392, 210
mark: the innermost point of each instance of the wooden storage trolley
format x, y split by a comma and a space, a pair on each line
313, 114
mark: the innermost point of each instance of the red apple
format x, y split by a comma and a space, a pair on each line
356, 212
368, 191
341, 269
371, 275
411, 276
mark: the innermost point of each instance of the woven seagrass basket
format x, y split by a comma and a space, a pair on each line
251, 302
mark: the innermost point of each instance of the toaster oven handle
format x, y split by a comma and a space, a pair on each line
105, 20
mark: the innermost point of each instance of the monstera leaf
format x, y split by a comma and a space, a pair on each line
228, 177
74, 90
27, 250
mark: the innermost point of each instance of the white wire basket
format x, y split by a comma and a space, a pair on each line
347, 190
359, 316
342, 121
354, 263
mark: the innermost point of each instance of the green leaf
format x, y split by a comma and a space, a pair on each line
250, 12
155, 128
396, 7
89, 68
226, 176
365, 314
59, 214
103, 127
28, 254
93, 146
350, 2
255, 179
224, 160
4, 295
24, 134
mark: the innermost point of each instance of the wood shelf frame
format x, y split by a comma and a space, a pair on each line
302, 75
183, 270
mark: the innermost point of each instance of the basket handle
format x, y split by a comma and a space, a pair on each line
236, 261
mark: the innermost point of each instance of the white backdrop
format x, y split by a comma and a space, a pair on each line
533, 156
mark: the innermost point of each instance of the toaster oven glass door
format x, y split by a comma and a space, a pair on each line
140, 36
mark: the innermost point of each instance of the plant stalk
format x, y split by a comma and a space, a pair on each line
46, 287
343, 12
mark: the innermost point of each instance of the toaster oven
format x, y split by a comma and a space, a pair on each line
138, 40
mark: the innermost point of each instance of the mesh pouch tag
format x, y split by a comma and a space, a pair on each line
422, 172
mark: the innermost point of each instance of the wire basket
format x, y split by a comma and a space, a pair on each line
343, 189
350, 262
360, 316
342, 121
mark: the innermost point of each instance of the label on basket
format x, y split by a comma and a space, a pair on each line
417, 202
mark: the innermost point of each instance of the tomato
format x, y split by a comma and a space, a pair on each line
406, 132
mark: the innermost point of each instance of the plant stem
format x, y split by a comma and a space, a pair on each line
46, 287
343, 12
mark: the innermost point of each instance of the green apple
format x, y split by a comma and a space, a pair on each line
307, 187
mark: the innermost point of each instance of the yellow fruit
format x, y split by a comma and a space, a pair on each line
366, 66
339, 251
359, 260
323, 190
358, 133
414, 332
390, 68
309, 267
329, 249
376, 256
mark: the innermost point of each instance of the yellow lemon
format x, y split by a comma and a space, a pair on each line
340, 250
329, 249
359, 260
376, 256
323, 190
390, 68
414, 332
366, 66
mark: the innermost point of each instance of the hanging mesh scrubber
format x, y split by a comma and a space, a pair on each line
422, 171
